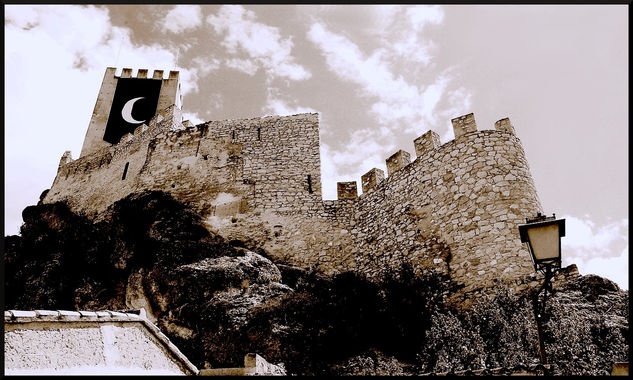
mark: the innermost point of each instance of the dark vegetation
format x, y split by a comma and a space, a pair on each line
64, 261
242, 303
327, 320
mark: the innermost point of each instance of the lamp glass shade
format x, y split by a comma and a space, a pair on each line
544, 241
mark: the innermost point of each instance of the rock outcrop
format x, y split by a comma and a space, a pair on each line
218, 300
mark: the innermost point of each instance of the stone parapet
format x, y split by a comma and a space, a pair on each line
426, 143
397, 161
372, 178
504, 125
464, 124
346, 190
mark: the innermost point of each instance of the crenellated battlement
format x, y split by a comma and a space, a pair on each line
453, 209
397, 161
426, 143
372, 178
141, 73
464, 124
346, 190
504, 125
425, 146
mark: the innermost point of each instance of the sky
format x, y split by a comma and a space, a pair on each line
378, 75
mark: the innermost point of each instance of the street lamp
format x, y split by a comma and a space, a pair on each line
542, 235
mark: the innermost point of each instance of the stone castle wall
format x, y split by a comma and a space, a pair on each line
454, 209
470, 194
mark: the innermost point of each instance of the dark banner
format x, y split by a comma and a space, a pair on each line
135, 101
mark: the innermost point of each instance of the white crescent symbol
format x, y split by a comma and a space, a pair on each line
127, 111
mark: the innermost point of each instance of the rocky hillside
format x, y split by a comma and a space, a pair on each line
219, 300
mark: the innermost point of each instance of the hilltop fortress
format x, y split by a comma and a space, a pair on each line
454, 209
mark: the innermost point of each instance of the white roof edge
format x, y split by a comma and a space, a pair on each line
33, 316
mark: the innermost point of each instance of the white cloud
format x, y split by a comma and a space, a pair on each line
206, 65
398, 105
55, 57
614, 268
329, 173
601, 250
277, 106
181, 18
262, 43
244, 65
421, 15
364, 151
192, 117
200, 67
401, 30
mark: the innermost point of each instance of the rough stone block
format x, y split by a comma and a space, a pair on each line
126, 73
142, 73
66, 158
346, 190
504, 125
158, 74
397, 161
464, 124
426, 143
372, 178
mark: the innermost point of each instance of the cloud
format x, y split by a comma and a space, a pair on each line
55, 57
397, 103
614, 268
262, 43
601, 250
206, 65
329, 173
401, 102
401, 27
192, 117
244, 65
190, 76
277, 106
200, 67
181, 18
364, 151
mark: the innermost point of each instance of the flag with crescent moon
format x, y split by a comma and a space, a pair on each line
134, 103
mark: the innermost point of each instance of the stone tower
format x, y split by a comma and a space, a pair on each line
125, 102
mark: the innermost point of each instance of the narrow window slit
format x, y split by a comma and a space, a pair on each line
125, 170
309, 184
259, 134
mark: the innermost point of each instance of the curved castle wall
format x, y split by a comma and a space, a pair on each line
469, 194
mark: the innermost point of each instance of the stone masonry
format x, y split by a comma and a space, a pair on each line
454, 209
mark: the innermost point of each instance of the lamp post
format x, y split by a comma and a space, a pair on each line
542, 235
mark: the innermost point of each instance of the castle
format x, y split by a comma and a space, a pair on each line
454, 209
